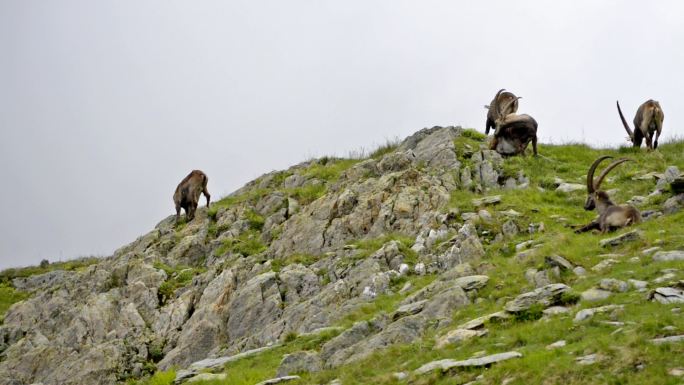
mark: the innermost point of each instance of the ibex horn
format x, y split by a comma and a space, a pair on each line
608, 169
590, 173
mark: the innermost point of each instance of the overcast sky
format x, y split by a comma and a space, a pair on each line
106, 105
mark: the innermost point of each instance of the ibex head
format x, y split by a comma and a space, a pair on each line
594, 195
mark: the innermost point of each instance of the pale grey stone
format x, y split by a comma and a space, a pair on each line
212, 363
409, 309
589, 359
570, 187
479, 322
208, 377
668, 295
557, 260
613, 285
667, 340
488, 200
629, 236
445, 365
664, 256
472, 282
458, 335
586, 314
545, 296
604, 265
555, 310
592, 295
638, 284
556, 345
279, 380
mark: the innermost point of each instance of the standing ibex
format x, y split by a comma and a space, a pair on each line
514, 132
611, 216
501, 98
188, 192
647, 121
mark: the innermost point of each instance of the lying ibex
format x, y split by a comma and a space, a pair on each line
647, 121
188, 192
611, 216
514, 132
501, 98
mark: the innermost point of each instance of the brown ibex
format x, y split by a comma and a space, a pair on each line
647, 121
501, 98
514, 132
188, 192
611, 216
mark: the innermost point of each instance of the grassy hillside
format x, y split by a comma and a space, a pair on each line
625, 354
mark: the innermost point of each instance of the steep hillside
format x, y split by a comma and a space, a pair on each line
431, 262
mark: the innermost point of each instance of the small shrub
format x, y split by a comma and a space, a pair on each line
289, 337
474, 134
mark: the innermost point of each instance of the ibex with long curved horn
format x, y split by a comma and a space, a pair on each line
188, 192
611, 216
514, 132
501, 98
647, 121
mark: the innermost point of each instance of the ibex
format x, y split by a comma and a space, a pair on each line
188, 192
611, 216
647, 121
514, 132
502, 97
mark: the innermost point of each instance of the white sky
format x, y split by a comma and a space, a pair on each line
106, 105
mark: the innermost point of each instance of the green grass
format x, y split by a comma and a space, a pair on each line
8, 297
383, 149
248, 243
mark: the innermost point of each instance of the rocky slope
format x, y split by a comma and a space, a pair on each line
404, 247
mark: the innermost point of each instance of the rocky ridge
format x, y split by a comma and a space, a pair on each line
294, 253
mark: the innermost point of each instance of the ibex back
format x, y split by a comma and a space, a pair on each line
647, 121
188, 192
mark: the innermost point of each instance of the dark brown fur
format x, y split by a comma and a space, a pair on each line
611, 216
647, 121
188, 192
514, 132
502, 98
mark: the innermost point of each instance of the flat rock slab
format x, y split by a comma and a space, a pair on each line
667, 340
664, 256
585, 314
210, 363
472, 282
592, 295
570, 187
409, 309
589, 359
667, 295
545, 296
448, 364
490, 200
557, 260
278, 380
620, 239
208, 377
479, 322
457, 335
